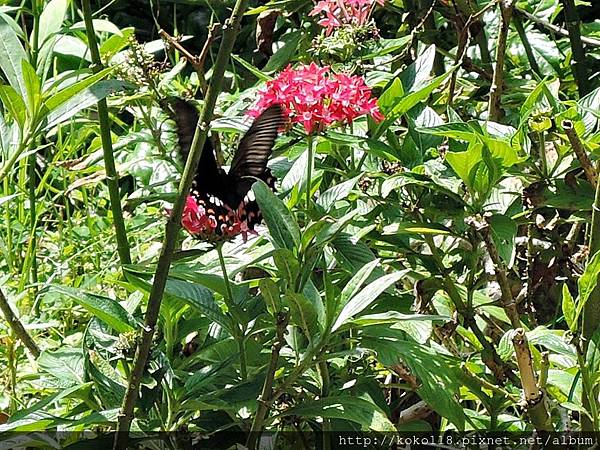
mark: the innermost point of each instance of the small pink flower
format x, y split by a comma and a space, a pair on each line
317, 97
203, 224
344, 12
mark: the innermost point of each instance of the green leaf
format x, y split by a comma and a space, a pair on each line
11, 55
439, 376
100, 26
568, 308
282, 56
41, 404
116, 43
588, 282
84, 99
302, 313
405, 103
353, 286
337, 192
282, 225
352, 253
14, 103
384, 47
390, 96
354, 409
250, 68
104, 308
33, 86
70, 91
592, 357
287, 265
196, 295
415, 76
504, 232
65, 364
364, 298
51, 19
271, 295
588, 108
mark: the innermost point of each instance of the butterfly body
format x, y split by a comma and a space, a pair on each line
225, 197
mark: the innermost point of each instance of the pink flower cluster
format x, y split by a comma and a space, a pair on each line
317, 97
344, 12
200, 224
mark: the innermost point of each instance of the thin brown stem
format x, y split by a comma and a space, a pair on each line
494, 109
197, 62
580, 152
265, 398
17, 327
555, 28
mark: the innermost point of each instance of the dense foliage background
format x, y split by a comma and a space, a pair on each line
439, 274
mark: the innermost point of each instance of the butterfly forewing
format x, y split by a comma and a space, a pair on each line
256, 146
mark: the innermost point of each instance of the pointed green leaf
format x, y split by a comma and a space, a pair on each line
588, 281
14, 103
11, 55
33, 86
51, 19
104, 308
568, 308
282, 225
365, 297
354, 409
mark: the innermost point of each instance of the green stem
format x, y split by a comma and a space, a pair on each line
526, 45
590, 401
32, 226
325, 382
6, 168
112, 177
174, 224
35, 9
580, 69
239, 337
7, 221
591, 319
309, 166
542, 153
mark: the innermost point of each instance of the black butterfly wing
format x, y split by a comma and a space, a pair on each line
226, 195
209, 179
252, 155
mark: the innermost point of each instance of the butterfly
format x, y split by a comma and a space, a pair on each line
225, 197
